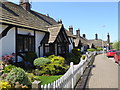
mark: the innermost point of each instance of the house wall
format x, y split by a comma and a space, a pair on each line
0, 42
39, 37
71, 44
25, 31
7, 43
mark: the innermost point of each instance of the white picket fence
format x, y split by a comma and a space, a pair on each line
71, 77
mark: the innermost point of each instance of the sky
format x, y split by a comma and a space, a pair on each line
90, 17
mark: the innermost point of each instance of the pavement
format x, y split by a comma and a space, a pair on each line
103, 74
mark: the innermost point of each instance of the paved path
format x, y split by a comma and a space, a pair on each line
104, 74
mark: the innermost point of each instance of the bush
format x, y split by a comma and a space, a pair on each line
18, 75
5, 85
57, 59
76, 51
32, 77
91, 50
30, 56
72, 58
56, 67
41, 61
3, 76
99, 49
83, 57
8, 68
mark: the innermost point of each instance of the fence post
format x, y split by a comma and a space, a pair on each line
72, 69
36, 85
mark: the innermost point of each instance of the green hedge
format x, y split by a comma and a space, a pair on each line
91, 50
72, 58
76, 51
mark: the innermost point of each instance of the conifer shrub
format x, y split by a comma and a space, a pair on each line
39, 62
18, 75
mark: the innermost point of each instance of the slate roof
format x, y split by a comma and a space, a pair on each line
99, 42
54, 30
69, 34
53, 33
81, 40
85, 41
16, 15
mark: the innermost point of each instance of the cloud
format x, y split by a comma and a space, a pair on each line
103, 26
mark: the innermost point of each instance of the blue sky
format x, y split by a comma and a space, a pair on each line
90, 17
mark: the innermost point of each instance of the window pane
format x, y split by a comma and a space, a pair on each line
26, 44
20, 43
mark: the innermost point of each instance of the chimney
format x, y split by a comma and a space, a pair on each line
78, 32
108, 38
25, 4
96, 36
84, 35
71, 29
60, 21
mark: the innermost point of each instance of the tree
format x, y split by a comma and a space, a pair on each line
116, 45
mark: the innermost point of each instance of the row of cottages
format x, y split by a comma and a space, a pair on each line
79, 41
100, 43
24, 30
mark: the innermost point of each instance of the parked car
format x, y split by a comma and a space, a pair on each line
111, 53
117, 56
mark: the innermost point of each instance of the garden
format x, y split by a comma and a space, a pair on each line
44, 69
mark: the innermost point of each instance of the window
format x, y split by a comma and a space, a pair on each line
25, 43
46, 47
61, 49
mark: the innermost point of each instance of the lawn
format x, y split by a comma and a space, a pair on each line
48, 79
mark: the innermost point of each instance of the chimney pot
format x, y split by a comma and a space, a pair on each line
96, 36
78, 32
25, 4
60, 21
71, 29
84, 35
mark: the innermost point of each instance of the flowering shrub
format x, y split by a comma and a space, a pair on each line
8, 59
5, 85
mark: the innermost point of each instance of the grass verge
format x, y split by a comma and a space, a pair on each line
48, 79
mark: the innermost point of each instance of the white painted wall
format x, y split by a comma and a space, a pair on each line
1, 41
39, 37
70, 45
8, 42
25, 31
